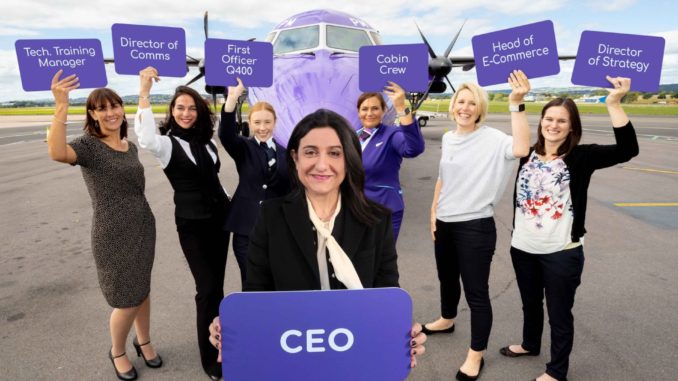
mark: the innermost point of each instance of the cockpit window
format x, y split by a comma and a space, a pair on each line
270, 37
346, 38
376, 37
297, 39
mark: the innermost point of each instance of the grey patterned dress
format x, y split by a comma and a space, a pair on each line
123, 226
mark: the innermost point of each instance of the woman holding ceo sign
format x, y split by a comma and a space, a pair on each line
384, 148
189, 158
261, 166
550, 208
123, 226
326, 234
474, 168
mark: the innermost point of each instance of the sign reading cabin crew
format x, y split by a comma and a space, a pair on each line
619, 55
339, 335
406, 65
530, 48
136, 47
226, 60
39, 60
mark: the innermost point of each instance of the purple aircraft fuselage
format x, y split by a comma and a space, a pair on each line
315, 65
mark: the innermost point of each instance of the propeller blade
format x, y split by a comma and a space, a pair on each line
205, 24
430, 49
468, 67
214, 99
197, 77
423, 97
454, 40
193, 60
450, 83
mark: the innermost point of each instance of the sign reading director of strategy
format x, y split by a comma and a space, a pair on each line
530, 48
251, 61
136, 47
39, 60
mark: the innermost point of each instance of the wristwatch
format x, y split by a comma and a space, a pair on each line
517, 108
405, 112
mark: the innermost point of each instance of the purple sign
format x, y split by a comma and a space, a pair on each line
316, 335
136, 47
406, 65
619, 55
251, 61
530, 48
39, 60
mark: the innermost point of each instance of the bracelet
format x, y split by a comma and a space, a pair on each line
54, 118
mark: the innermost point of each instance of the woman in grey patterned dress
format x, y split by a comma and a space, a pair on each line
123, 226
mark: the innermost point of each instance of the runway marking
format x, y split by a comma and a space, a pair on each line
651, 170
634, 204
649, 136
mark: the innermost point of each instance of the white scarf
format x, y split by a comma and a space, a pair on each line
343, 267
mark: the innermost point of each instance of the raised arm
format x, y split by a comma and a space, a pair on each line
144, 123
613, 100
410, 143
57, 147
227, 126
520, 129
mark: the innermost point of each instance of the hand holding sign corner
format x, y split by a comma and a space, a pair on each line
61, 87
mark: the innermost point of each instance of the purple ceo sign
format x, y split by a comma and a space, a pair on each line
137, 46
406, 65
530, 48
39, 60
251, 61
624, 55
316, 335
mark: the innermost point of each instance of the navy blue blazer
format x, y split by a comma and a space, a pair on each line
256, 184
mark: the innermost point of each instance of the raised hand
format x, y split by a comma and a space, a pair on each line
61, 87
621, 87
520, 86
146, 78
396, 94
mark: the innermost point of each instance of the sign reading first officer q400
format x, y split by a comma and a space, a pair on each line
619, 55
136, 47
406, 65
338, 335
226, 60
39, 60
530, 48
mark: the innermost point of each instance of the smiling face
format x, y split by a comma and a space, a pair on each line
320, 162
185, 112
109, 115
555, 125
465, 109
370, 112
262, 123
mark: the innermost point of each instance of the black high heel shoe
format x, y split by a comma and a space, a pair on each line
126, 376
151, 363
461, 376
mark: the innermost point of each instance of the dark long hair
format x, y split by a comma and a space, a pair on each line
573, 137
353, 187
204, 123
98, 98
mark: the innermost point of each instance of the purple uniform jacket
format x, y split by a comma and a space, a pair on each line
382, 157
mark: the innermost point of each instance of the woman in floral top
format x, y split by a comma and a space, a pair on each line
550, 208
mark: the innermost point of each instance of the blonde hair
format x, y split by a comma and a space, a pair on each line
479, 95
259, 106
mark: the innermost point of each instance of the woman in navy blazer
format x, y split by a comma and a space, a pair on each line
384, 148
261, 166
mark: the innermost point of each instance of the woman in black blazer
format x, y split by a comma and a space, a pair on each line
327, 216
261, 166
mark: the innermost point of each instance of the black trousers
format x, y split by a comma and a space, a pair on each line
205, 246
241, 243
465, 249
556, 275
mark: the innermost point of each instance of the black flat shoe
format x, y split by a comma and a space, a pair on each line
152, 363
429, 332
506, 351
461, 376
127, 376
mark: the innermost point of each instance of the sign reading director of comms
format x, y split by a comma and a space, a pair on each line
136, 47
338, 335
530, 48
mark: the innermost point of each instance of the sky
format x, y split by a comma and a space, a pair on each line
395, 20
